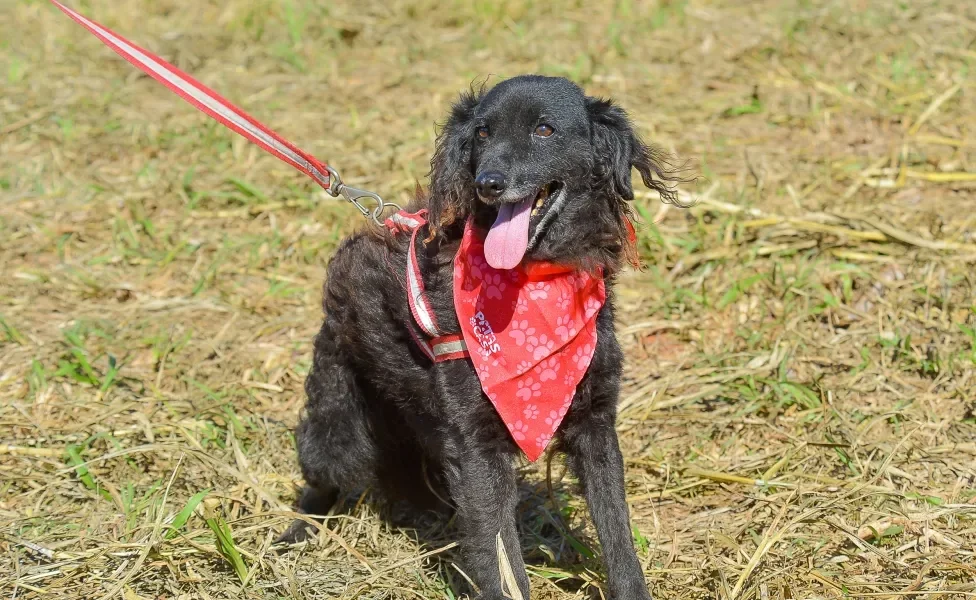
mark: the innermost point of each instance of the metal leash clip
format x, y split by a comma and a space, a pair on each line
338, 188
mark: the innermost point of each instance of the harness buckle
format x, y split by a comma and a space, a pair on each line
354, 195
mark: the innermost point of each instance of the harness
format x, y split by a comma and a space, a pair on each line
429, 337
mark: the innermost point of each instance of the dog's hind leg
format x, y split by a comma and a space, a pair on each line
335, 448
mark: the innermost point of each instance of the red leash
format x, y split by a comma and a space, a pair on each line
230, 116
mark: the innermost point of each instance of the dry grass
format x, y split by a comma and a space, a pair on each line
798, 416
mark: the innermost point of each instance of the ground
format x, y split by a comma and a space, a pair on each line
798, 411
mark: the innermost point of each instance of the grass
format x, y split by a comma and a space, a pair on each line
798, 414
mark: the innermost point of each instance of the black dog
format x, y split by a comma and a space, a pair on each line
380, 413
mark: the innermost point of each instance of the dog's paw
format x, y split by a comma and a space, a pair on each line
299, 531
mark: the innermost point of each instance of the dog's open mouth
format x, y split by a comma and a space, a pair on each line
542, 198
508, 238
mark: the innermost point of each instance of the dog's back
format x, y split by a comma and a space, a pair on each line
355, 433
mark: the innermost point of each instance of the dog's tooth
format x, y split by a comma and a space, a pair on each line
535, 211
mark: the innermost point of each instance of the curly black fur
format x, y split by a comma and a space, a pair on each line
380, 414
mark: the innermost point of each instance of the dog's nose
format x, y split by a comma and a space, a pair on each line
490, 184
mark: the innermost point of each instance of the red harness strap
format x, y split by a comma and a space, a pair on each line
432, 340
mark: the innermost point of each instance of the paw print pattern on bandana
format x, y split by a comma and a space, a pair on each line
556, 416
548, 369
520, 330
518, 429
479, 268
543, 317
528, 389
583, 356
495, 286
562, 303
565, 327
540, 346
538, 291
591, 307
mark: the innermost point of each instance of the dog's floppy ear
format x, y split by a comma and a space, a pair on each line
617, 148
451, 176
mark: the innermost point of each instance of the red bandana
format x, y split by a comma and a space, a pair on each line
531, 333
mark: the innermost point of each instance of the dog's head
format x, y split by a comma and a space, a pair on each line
545, 169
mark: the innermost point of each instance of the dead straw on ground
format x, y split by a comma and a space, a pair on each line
797, 415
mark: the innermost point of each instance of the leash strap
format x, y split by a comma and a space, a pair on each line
219, 108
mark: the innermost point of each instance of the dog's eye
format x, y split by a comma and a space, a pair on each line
483, 133
544, 130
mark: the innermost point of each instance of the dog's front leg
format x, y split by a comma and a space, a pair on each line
481, 476
594, 456
483, 487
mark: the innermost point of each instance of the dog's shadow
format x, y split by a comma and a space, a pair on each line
562, 554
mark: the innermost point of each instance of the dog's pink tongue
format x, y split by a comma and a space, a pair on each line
508, 238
